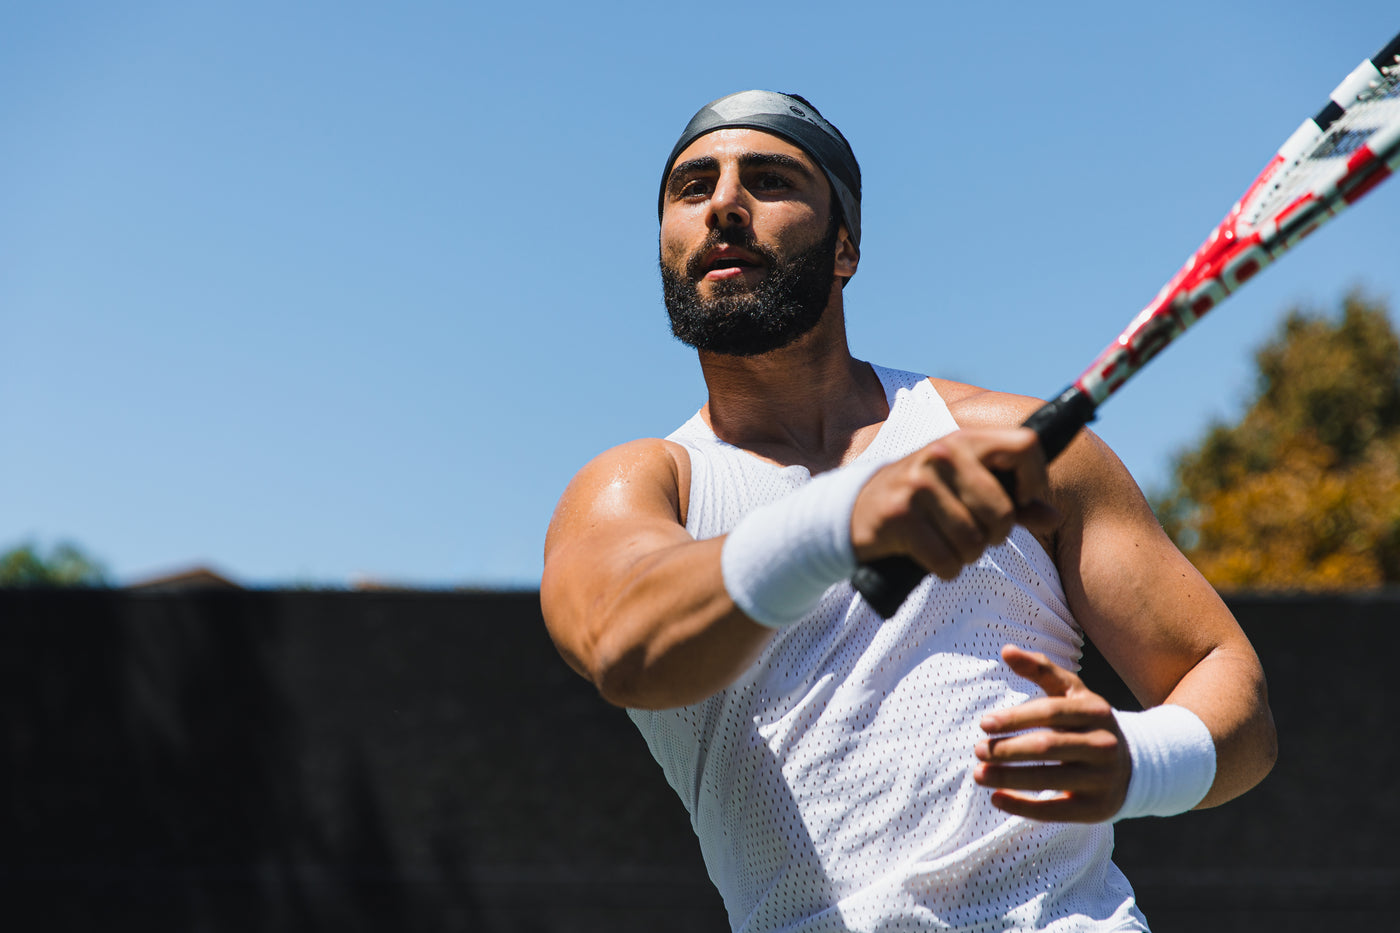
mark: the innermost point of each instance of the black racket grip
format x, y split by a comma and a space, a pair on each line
887, 582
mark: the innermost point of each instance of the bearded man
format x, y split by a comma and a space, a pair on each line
945, 769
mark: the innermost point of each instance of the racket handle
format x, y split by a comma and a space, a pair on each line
887, 582
1058, 421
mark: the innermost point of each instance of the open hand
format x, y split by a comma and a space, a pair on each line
1077, 749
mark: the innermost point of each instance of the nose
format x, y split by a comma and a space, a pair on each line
729, 203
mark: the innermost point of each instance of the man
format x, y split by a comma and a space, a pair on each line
944, 769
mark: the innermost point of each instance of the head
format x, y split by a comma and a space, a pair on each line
760, 221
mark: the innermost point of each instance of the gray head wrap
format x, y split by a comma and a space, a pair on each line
793, 120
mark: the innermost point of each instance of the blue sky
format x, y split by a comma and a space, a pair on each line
315, 293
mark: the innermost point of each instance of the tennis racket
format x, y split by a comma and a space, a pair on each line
1330, 162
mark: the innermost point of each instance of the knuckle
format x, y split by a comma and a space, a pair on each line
1102, 740
967, 540
887, 510
946, 570
941, 452
912, 486
1000, 526
1038, 744
936, 559
1097, 706
909, 469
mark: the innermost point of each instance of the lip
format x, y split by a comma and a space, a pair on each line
729, 272
749, 262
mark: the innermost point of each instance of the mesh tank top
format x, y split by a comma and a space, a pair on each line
831, 785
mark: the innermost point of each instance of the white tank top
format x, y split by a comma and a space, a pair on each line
831, 785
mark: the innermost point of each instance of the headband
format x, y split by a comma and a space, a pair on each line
793, 120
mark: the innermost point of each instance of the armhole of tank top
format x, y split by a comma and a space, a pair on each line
1043, 555
893, 380
685, 479
927, 384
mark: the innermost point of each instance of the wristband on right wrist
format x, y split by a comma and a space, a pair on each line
1173, 758
780, 559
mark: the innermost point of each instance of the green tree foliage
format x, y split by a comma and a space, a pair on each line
64, 565
1303, 493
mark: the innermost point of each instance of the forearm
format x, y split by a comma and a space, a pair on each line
1164, 630
1226, 689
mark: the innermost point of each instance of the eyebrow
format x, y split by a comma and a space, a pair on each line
748, 160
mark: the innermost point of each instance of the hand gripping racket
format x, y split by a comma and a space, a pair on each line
1349, 147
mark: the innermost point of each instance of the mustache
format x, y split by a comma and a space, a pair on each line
741, 237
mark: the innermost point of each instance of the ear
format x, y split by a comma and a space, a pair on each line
847, 254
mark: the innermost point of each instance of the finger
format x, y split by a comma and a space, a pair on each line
939, 509
1097, 747
1078, 713
902, 510
1040, 670
1063, 808
1061, 778
1018, 453
979, 492
932, 550
962, 497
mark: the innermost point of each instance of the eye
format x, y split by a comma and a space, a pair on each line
771, 181
694, 188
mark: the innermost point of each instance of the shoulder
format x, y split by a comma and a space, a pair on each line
1085, 479
646, 478
975, 407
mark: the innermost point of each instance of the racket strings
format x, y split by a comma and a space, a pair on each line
1319, 165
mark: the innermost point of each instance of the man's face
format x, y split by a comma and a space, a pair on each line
749, 243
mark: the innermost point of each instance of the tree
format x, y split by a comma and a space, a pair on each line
65, 565
1303, 493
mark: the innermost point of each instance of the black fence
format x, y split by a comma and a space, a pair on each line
291, 761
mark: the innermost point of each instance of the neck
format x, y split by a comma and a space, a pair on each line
810, 403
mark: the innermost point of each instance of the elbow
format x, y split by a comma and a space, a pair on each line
616, 673
1268, 752
1256, 752
618, 668
1264, 754
626, 676
1263, 734
658, 659
594, 656
595, 645
650, 674
1260, 744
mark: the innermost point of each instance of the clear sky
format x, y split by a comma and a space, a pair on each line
314, 293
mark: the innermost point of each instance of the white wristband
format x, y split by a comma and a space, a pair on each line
781, 558
1173, 761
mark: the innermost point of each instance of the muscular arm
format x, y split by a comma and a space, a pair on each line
641, 609
1157, 621
1160, 625
632, 601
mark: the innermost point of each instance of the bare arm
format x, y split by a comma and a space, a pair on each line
1160, 625
632, 601
640, 608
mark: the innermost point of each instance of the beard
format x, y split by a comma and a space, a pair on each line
743, 320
